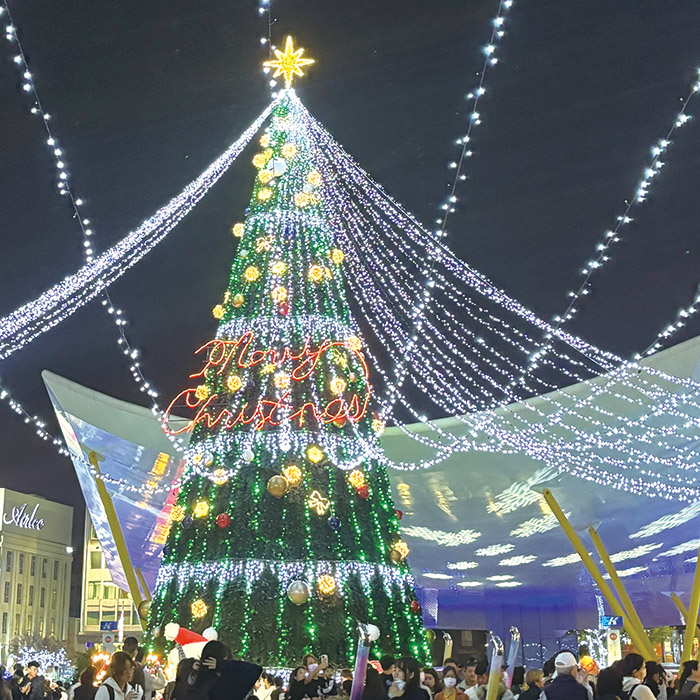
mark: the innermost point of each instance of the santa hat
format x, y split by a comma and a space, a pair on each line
191, 642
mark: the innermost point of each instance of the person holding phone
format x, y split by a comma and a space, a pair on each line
117, 685
314, 673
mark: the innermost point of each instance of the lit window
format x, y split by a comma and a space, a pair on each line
95, 560
44, 567
18, 600
55, 570
5, 617
21, 562
8, 592
8, 567
32, 570
42, 598
31, 595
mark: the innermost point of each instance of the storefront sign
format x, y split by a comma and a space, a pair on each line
22, 518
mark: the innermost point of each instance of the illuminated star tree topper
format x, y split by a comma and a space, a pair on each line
289, 63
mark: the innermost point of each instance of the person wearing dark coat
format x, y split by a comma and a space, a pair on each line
32, 685
564, 685
86, 690
221, 678
534, 680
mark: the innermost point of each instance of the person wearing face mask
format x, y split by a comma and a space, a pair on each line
406, 683
450, 691
314, 676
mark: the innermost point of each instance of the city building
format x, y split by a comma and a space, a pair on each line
102, 600
35, 568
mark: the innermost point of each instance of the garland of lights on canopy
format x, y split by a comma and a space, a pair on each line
443, 339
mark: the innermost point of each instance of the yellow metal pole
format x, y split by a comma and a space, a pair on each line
684, 612
113, 521
495, 672
622, 593
592, 568
692, 620
447, 652
144, 587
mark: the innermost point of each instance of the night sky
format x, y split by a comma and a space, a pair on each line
144, 95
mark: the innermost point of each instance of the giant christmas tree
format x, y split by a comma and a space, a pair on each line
284, 534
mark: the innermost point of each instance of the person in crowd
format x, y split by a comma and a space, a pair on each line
656, 679
518, 683
266, 687
277, 690
86, 689
5, 691
609, 686
564, 684
450, 679
177, 689
431, 680
32, 686
468, 673
142, 678
16, 680
117, 684
218, 677
478, 691
297, 684
374, 689
534, 682
634, 671
689, 678
138, 680
327, 685
452, 663
406, 682
387, 675
346, 687
314, 673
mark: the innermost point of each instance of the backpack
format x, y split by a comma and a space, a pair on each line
110, 690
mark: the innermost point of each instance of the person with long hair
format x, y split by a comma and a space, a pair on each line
450, 679
117, 684
634, 672
656, 680
534, 682
297, 687
184, 677
431, 680
86, 690
218, 677
609, 685
689, 678
374, 685
406, 683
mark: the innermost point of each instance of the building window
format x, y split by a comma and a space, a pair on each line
53, 599
32, 568
95, 560
93, 617
42, 598
18, 600
5, 617
21, 562
93, 591
44, 566
31, 595
109, 615
18, 622
109, 592
8, 566
55, 570
53, 628
6, 597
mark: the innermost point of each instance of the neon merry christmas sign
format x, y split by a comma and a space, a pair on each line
232, 355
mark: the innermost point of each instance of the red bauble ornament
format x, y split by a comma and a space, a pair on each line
283, 308
340, 422
415, 606
363, 492
223, 520
399, 514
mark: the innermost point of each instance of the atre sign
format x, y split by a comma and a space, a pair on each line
21, 517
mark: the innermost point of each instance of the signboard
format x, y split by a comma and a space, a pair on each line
22, 518
614, 648
108, 625
607, 621
108, 643
33, 516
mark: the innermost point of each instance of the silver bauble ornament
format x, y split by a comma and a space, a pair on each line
299, 592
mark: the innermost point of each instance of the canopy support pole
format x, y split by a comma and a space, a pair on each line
622, 593
115, 527
592, 568
691, 620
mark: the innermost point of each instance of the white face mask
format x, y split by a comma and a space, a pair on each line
450, 682
400, 684
312, 667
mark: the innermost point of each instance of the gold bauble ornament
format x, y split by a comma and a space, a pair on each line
338, 385
234, 382
326, 585
289, 150
282, 380
265, 176
298, 592
238, 230
218, 311
399, 551
259, 160
315, 273
337, 256
251, 273
199, 608
201, 509
430, 636
277, 486
279, 294
177, 513
293, 475
314, 454
353, 343
144, 608
279, 267
201, 392
356, 478
238, 300
219, 477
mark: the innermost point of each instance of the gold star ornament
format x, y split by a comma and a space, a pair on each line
289, 63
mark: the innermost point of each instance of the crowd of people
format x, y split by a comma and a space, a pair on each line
215, 676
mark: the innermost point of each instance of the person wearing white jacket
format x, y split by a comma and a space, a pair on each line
116, 685
634, 670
